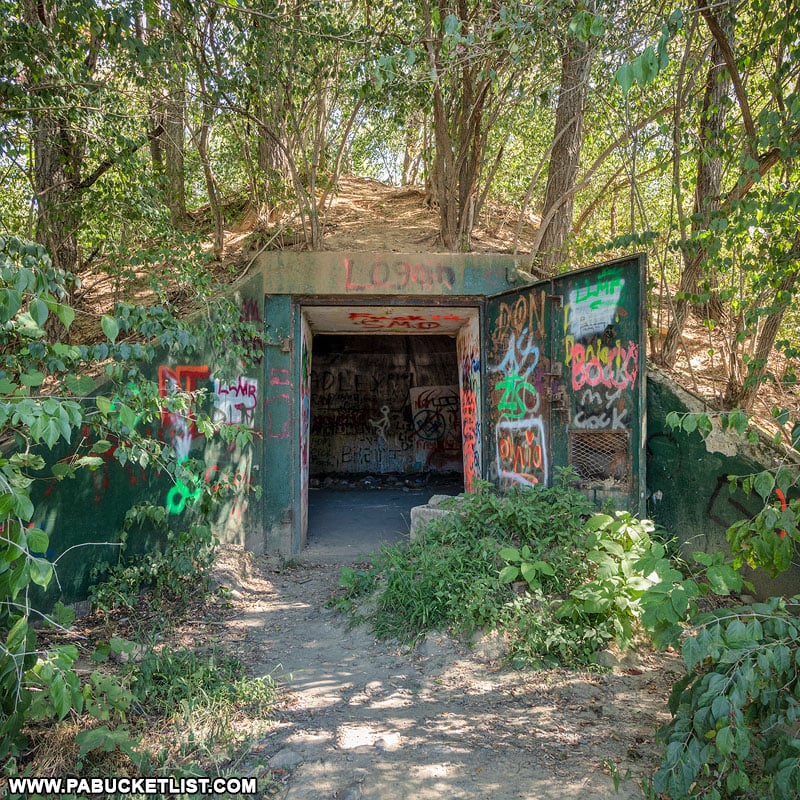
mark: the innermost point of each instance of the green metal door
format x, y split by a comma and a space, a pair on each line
565, 384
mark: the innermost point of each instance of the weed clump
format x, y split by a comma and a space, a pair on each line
559, 581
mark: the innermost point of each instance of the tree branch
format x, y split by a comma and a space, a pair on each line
730, 61
106, 164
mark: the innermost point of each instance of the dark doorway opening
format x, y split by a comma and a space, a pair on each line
384, 434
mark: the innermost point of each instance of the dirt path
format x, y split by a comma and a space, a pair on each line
373, 720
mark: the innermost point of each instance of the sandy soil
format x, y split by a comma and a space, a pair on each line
361, 718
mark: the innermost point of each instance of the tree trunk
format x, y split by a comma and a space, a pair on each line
743, 395
168, 114
58, 151
203, 139
563, 171
706, 197
174, 144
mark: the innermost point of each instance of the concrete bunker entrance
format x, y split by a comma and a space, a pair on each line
381, 419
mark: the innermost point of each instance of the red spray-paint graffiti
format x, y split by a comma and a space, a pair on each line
397, 277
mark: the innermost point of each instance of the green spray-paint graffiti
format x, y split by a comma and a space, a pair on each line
234, 404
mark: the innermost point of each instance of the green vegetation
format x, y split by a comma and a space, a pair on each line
48, 400
560, 582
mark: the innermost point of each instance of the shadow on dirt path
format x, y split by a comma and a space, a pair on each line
362, 718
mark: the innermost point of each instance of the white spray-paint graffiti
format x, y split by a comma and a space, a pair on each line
601, 409
381, 424
592, 307
235, 401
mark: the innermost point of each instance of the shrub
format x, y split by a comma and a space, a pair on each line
534, 562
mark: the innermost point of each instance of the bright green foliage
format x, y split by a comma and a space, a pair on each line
457, 574
734, 731
450, 575
736, 713
45, 399
609, 603
173, 573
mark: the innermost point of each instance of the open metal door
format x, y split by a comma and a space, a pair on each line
599, 422
564, 382
517, 381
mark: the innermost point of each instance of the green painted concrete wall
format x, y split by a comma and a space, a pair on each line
91, 507
687, 479
360, 275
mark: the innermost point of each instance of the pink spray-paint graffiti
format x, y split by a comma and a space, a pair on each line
599, 365
279, 404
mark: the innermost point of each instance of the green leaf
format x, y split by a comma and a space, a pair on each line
110, 327
530, 573
509, 573
509, 554
598, 25
92, 462
764, 483
103, 405
16, 637
127, 416
101, 445
33, 378
41, 571
38, 310
725, 741
62, 469
690, 423
624, 77
65, 313
100, 738
60, 696
452, 24
80, 385
23, 506
38, 541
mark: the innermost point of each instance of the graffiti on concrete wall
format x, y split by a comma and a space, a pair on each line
234, 403
278, 403
469, 387
436, 419
518, 380
412, 322
406, 276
